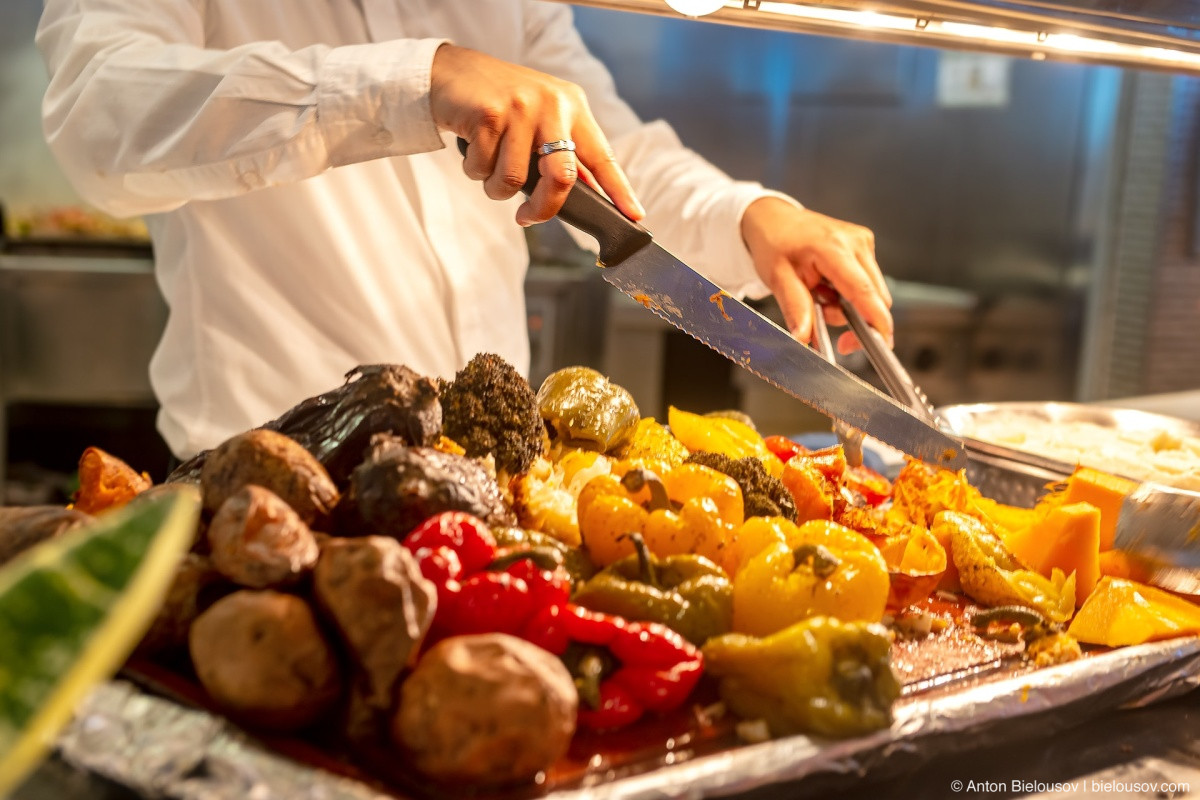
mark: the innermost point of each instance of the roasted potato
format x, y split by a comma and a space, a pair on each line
258, 541
262, 658
486, 709
372, 589
276, 462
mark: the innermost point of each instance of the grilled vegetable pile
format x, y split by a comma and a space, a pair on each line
457, 572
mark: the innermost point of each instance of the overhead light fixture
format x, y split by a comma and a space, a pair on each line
1164, 36
696, 8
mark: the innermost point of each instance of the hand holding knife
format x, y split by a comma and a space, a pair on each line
640, 268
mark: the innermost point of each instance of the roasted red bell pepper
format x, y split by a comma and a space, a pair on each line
874, 487
784, 448
632, 667
482, 589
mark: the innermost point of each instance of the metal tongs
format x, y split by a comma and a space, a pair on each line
895, 377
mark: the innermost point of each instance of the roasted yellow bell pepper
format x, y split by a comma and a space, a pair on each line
755, 535
821, 676
653, 446
824, 569
692, 509
731, 437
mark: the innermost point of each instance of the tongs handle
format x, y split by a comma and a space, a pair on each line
893, 374
850, 438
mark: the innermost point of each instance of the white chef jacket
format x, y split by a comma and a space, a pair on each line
307, 215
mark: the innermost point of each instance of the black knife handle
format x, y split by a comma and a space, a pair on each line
618, 236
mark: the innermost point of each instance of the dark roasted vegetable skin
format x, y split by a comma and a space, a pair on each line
490, 408
397, 487
763, 495
337, 426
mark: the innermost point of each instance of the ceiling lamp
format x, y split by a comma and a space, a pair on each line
1162, 35
696, 8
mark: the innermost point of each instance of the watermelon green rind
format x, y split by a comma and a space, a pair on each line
71, 611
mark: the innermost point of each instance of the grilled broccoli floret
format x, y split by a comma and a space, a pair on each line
763, 495
489, 407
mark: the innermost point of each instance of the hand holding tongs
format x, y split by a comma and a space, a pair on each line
893, 374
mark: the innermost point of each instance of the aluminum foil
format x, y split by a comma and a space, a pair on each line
161, 749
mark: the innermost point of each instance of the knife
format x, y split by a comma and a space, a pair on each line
635, 264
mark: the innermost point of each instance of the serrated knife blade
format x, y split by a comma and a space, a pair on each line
697, 306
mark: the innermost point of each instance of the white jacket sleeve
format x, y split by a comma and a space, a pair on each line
143, 118
693, 208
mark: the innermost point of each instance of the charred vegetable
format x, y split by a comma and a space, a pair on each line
818, 676
489, 709
274, 461
397, 487
489, 408
337, 426
257, 540
262, 658
763, 495
585, 409
373, 591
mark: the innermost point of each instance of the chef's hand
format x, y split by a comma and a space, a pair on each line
505, 111
795, 248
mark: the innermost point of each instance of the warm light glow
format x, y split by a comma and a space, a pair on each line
696, 8
869, 19
1030, 43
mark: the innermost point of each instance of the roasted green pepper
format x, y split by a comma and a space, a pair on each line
585, 409
576, 562
687, 593
819, 676
991, 575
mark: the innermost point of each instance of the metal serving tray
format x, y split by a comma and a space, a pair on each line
1020, 477
163, 749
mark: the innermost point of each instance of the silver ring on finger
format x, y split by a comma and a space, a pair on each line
557, 146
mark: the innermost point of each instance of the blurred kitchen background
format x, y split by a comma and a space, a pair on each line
1038, 222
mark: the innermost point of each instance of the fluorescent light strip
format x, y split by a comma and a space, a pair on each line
1036, 43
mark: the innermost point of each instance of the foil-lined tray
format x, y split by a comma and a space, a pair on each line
161, 748
1020, 477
